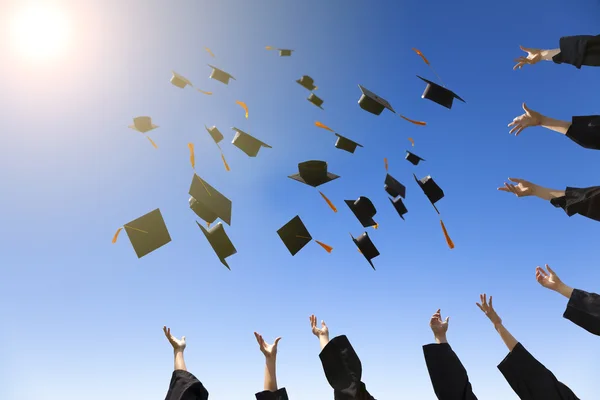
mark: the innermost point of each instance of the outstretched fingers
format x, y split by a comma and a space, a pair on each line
550, 270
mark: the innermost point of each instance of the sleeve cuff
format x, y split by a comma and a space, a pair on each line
279, 394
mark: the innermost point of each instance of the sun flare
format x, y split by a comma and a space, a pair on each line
40, 31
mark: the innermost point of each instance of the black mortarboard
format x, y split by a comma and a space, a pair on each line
294, 235
316, 100
399, 206
393, 187
285, 52
219, 241
439, 94
346, 144
209, 204
147, 233
364, 210
413, 158
372, 103
431, 189
220, 75
313, 173
214, 133
307, 82
247, 143
366, 247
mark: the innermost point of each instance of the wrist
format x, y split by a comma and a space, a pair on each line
565, 290
440, 338
498, 326
178, 351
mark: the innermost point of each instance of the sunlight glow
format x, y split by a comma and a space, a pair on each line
40, 31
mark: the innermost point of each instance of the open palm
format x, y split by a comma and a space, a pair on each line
178, 344
269, 350
322, 331
530, 118
519, 187
549, 279
534, 56
437, 325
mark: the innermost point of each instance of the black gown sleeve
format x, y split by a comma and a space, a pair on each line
279, 394
582, 201
585, 131
184, 386
579, 50
530, 380
583, 310
343, 370
448, 376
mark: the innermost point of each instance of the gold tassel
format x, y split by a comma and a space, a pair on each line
448, 240
327, 247
329, 202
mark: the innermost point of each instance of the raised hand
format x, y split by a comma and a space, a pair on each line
269, 350
318, 332
178, 344
530, 118
534, 56
488, 309
549, 279
522, 188
438, 326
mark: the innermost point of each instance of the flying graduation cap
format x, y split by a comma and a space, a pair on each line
393, 187
316, 100
307, 82
374, 104
366, 247
220, 242
399, 206
217, 136
282, 52
146, 233
208, 203
314, 173
180, 81
413, 158
342, 143
364, 210
439, 94
143, 125
434, 194
247, 143
295, 236
220, 75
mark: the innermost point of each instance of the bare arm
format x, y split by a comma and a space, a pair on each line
554, 124
548, 54
179, 361
271, 374
508, 339
547, 193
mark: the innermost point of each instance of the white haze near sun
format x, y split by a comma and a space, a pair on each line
39, 30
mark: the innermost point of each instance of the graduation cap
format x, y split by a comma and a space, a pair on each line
294, 235
220, 75
413, 158
247, 143
366, 247
219, 241
307, 82
399, 206
313, 173
431, 189
285, 52
393, 187
372, 103
346, 144
143, 124
364, 210
208, 203
180, 81
439, 94
214, 133
147, 233
317, 101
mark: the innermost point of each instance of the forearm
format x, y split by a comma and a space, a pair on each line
323, 340
507, 338
547, 193
565, 290
270, 374
555, 124
548, 54
179, 361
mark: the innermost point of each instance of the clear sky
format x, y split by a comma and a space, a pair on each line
83, 316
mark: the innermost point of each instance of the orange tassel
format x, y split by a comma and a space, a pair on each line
325, 246
385, 162
376, 226
321, 125
329, 202
244, 106
448, 240
269, 47
421, 54
202, 91
225, 162
209, 52
151, 141
208, 224
412, 141
192, 156
114, 239
413, 121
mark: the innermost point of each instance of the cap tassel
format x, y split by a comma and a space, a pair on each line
151, 141
329, 202
323, 126
411, 141
269, 47
428, 63
376, 226
422, 123
208, 225
448, 240
244, 106
225, 162
209, 52
385, 162
116, 236
203, 92
327, 247
192, 156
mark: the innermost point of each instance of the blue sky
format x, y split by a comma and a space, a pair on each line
81, 315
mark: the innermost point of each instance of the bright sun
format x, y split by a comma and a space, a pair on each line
40, 31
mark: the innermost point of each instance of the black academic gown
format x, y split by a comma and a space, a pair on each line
343, 370
583, 310
185, 386
530, 379
585, 131
582, 201
279, 394
448, 376
579, 50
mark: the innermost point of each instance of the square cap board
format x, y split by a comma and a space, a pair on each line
147, 233
219, 241
294, 235
372, 103
247, 143
209, 199
439, 94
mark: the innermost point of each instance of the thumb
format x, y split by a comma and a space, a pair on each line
276, 341
447, 320
183, 338
525, 108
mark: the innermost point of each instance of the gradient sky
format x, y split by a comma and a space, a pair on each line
83, 317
